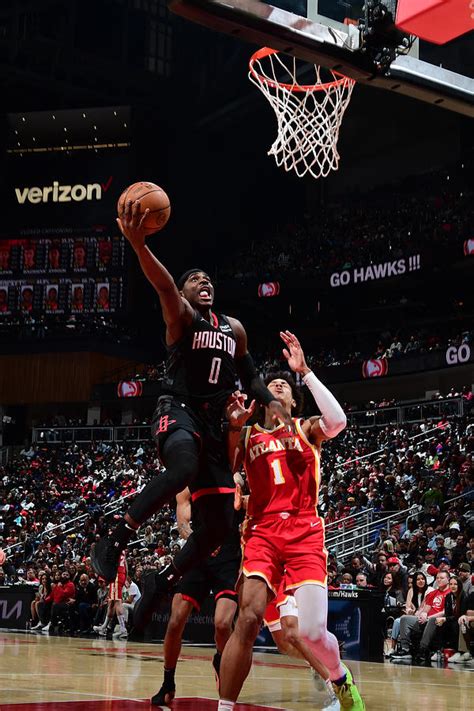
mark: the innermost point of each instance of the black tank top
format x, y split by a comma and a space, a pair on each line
201, 366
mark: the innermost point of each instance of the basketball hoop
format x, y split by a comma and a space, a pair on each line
309, 115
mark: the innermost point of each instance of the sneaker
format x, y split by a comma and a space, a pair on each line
165, 695
105, 557
46, 628
98, 629
390, 653
154, 585
434, 657
348, 694
400, 655
121, 634
37, 627
466, 657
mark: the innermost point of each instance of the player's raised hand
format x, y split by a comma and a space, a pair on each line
236, 412
293, 352
131, 224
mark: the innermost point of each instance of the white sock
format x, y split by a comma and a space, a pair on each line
121, 621
225, 705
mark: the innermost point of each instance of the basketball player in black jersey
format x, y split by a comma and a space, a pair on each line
217, 574
207, 353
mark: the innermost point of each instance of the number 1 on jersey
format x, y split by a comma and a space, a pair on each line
277, 472
215, 370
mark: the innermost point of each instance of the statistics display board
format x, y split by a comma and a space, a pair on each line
61, 275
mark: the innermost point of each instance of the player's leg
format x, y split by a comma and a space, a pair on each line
237, 657
180, 454
119, 611
312, 601
180, 610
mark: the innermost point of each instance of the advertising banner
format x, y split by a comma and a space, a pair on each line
374, 272
15, 603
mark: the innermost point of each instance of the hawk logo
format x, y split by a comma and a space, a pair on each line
375, 368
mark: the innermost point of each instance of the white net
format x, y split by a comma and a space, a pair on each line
309, 115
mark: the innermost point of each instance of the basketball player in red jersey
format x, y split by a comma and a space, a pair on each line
115, 605
207, 352
283, 533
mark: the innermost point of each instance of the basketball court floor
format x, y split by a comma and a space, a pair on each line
43, 673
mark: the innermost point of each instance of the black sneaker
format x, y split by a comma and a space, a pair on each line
153, 586
105, 557
165, 695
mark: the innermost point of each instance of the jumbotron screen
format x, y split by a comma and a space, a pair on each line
61, 276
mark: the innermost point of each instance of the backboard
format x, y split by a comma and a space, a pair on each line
318, 31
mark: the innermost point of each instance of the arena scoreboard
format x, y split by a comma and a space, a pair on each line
61, 275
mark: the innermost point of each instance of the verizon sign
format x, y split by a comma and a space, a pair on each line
62, 193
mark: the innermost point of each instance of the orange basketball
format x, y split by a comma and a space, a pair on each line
151, 196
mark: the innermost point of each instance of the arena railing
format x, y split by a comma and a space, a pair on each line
88, 434
409, 412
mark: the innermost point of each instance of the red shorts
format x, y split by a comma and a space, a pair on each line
115, 588
281, 606
287, 544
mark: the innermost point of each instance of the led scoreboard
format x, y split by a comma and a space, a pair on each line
61, 276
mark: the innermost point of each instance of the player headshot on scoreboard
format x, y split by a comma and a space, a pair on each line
104, 252
52, 302
4, 257
3, 299
77, 297
54, 257
26, 302
103, 293
29, 257
79, 255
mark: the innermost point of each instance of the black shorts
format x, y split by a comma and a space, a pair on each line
215, 475
217, 574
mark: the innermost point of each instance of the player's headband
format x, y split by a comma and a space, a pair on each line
184, 277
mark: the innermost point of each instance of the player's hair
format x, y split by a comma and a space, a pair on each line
296, 392
184, 277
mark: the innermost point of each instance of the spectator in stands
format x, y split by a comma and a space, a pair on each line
399, 572
454, 607
464, 573
466, 633
131, 595
361, 580
423, 621
394, 597
417, 592
44, 590
62, 597
85, 604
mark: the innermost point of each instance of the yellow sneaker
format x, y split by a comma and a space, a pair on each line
348, 694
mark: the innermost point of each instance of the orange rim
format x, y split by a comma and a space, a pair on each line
267, 52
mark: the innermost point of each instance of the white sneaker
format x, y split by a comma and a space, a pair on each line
39, 626
99, 629
455, 657
46, 629
389, 654
434, 657
466, 657
121, 634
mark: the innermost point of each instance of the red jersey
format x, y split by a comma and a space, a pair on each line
282, 470
436, 599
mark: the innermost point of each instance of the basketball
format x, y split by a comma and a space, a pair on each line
151, 196
3, 557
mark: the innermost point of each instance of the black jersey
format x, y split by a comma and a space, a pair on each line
201, 366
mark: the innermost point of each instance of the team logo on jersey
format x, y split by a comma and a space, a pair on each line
163, 423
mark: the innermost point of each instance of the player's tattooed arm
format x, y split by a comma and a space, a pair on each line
177, 312
183, 513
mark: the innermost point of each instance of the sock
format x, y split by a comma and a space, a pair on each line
121, 621
341, 681
168, 679
123, 533
225, 705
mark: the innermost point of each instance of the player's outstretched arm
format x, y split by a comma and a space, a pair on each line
251, 380
237, 415
333, 419
177, 312
183, 513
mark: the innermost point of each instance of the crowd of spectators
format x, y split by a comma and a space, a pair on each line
46, 327
57, 499
431, 213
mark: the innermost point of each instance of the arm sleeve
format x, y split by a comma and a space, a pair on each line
251, 380
333, 419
